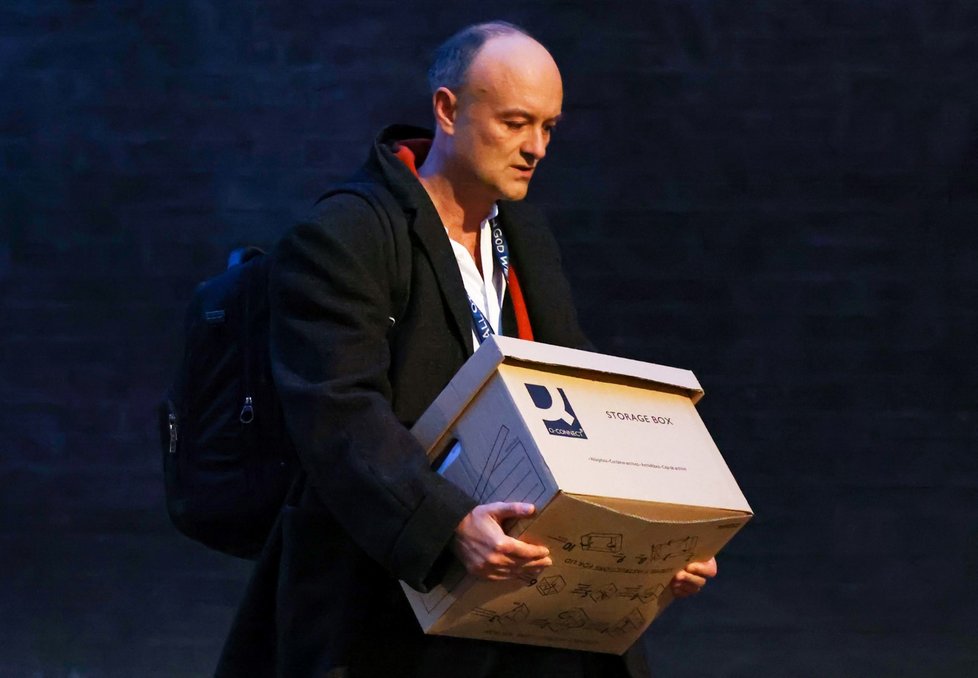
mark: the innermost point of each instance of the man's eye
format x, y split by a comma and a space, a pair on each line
514, 124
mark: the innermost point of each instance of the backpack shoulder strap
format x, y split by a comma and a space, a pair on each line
390, 213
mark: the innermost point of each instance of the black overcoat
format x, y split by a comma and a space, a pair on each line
369, 322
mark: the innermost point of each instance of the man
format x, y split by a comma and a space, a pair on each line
372, 314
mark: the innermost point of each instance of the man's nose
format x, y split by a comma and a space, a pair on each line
535, 145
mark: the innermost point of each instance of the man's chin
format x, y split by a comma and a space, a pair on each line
516, 192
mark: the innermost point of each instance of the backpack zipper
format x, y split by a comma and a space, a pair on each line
174, 430
247, 411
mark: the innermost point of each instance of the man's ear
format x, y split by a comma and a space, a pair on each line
445, 105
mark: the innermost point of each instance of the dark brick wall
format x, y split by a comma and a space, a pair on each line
780, 196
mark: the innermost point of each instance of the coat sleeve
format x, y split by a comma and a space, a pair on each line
332, 299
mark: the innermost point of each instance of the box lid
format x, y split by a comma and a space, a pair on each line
464, 386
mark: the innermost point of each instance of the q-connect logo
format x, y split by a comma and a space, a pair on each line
557, 413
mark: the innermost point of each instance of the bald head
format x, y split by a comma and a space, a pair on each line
514, 63
453, 58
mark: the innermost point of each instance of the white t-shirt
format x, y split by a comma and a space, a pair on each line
488, 288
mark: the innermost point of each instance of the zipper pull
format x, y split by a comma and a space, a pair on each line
174, 432
247, 411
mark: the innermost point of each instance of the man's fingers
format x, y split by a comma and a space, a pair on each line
705, 569
521, 550
499, 559
510, 551
529, 569
685, 578
539, 564
691, 580
526, 574
503, 510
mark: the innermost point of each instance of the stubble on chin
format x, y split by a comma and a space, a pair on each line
517, 192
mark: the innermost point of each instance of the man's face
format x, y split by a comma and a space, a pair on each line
505, 115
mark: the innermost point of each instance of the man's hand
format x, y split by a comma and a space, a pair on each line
689, 581
489, 553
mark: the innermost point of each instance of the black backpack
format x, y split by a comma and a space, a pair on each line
228, 461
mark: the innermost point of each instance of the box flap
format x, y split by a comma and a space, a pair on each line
470, 378
513, 349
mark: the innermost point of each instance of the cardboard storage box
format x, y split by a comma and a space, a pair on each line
628, 484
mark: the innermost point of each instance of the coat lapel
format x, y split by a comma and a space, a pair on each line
431, 235
426, 225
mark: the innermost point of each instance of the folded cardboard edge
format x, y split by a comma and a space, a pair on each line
472, 376
548, 354
661, 512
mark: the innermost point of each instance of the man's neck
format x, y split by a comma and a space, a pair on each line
461, 211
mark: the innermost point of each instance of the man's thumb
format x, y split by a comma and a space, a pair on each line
504, 510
